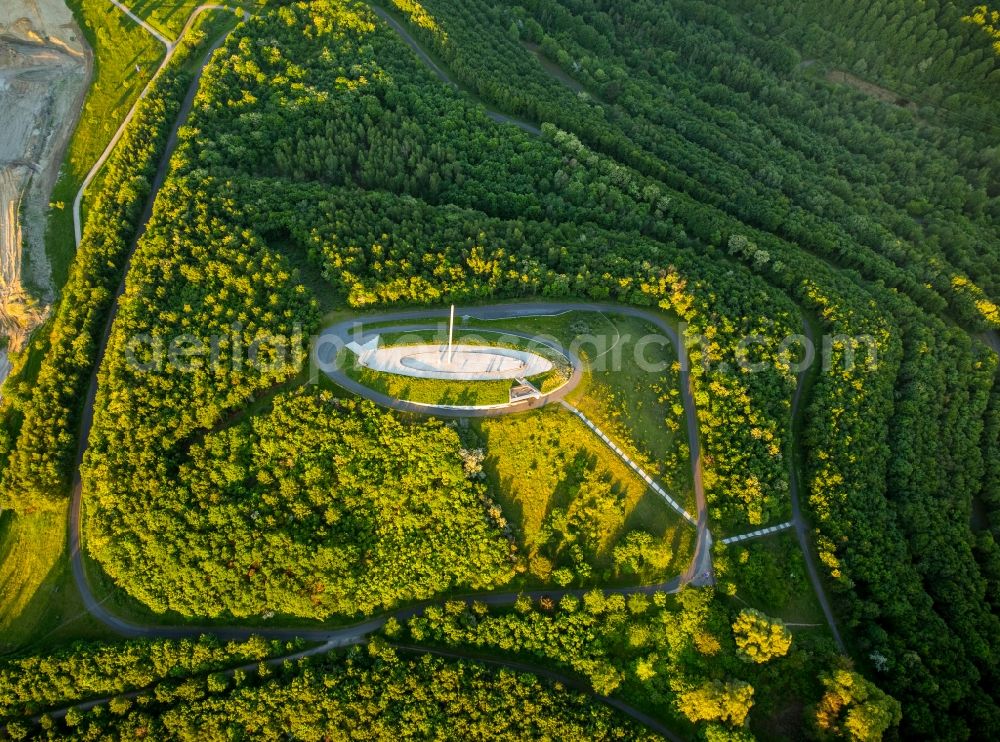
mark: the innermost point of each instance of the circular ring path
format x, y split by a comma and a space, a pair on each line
336, 337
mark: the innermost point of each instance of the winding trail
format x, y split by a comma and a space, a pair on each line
799, 521
171, 48
92, 605
699, 572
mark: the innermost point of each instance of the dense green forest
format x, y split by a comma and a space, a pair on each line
686, 656
940, 57
749, 169
222, 265
184, 690
320, 507
38, 436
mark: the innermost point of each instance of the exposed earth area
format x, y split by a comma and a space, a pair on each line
44, 68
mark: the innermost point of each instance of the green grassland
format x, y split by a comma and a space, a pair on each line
769, 574
38, 601
542, 461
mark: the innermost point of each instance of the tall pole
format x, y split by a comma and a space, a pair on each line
451, 330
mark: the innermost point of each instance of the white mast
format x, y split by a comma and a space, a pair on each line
451, 330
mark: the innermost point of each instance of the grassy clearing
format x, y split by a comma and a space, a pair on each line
546, 465
769, 574
169, 16
639, 409
38, 601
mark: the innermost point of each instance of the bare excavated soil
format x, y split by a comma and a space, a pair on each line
44, 70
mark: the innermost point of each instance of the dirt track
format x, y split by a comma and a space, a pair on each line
44, 70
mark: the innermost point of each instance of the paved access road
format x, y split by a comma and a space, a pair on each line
334, 338
337, 336
700, 571
327, 638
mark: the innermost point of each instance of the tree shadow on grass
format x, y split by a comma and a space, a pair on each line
573, 474
31, 577
463, 397
650, 513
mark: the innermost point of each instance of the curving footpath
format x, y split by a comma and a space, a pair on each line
336, 337
699, 572
799, 521
171, 48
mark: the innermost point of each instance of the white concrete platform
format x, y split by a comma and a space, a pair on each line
463, 363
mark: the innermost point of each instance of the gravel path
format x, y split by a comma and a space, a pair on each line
328, 638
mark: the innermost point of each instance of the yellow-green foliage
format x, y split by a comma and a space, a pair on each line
854, 708
714, 700
419, 16
760, 638
988, 20
552, 472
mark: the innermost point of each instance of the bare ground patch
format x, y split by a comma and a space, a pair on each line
871, 89
44, 69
